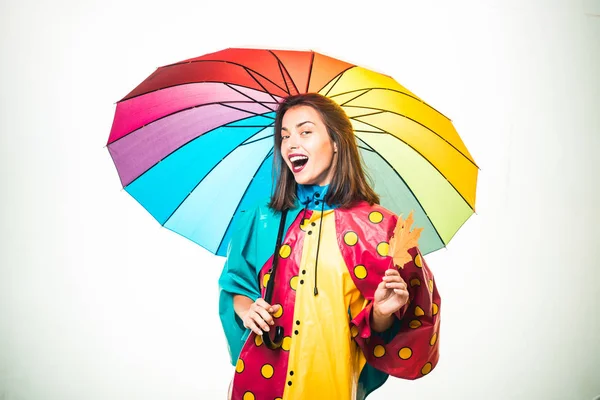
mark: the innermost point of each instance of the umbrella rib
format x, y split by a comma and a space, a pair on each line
312, 60
256, 140
284, 80
337, 79
199, 182
187, 109
175, 150
242, 198
365, 91
186, 83
416, 122
396, 91
228, 105
261, 85
247, 96
416, 151
281, 65
222, 61
407, 186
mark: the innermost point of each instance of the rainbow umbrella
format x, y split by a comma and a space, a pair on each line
193, 142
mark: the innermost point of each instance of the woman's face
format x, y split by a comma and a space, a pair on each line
306, 147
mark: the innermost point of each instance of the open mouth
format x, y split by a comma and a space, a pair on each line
298, 162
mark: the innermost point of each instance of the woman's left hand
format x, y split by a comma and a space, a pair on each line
391, 294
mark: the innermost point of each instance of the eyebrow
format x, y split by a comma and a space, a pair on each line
283, 128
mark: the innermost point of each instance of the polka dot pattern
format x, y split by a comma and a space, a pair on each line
379, 351
258, 340
294, 282
279, 312
414, 324
360, 271
405, 353
249, 396
285, 251
433, 339
350, 238
239, 367
426, 369
383, 249
435, 308
267, 371
430, 284
419, 261
266, 280
375, 217
287, 343
415, 282
419, 311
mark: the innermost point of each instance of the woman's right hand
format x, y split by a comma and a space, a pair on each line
259, 316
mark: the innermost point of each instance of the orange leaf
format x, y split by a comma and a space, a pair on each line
403, 240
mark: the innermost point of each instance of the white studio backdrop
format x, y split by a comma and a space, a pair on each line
98, 302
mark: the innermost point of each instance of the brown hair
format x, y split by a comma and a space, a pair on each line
349, 183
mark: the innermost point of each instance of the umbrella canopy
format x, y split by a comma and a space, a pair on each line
193, 142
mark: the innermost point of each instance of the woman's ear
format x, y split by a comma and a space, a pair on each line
334, 147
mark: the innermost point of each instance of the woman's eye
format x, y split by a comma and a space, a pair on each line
285, 137
306, 132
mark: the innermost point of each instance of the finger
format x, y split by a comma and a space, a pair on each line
261, 302
393, 278
275, 308
252, 326
257, 317
396, 285
391, 272
401, 292
265, 317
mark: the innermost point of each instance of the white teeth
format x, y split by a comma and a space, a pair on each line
296, 158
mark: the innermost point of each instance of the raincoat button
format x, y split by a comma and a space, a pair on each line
289, 383
317, 194
310, 232
303, 271
313, 223
296, 332
292, 373
301, 282
297, 322
317, 202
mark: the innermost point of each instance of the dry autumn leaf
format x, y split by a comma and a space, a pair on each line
403, 240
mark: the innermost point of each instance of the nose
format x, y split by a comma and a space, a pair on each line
292, 142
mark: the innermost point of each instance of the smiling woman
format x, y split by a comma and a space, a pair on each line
345, 315
306, 146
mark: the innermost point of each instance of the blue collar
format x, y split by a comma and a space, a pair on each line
311, 197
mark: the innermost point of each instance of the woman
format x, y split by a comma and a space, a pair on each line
349, 317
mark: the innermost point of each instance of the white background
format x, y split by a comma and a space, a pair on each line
98, 302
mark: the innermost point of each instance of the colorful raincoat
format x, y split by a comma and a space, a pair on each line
330, 263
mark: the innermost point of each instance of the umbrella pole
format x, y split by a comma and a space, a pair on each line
278, 339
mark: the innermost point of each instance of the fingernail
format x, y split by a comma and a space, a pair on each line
267, 328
